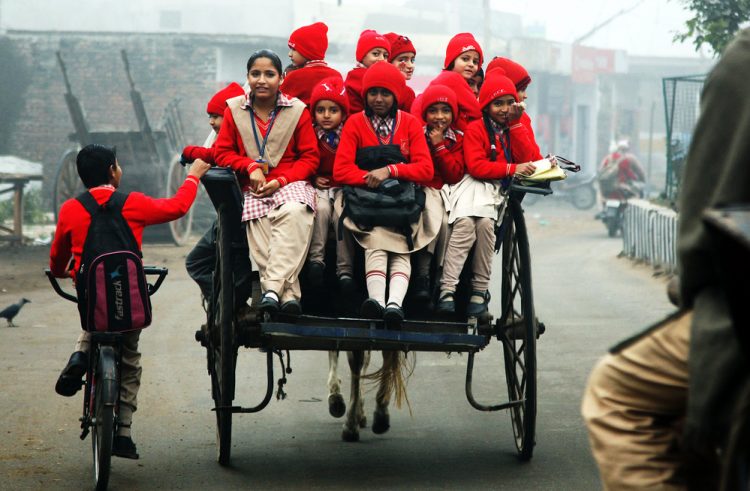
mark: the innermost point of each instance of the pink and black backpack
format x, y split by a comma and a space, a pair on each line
110, 283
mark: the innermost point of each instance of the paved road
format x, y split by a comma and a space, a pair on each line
587, 297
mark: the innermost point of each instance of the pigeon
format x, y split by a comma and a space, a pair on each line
11, 311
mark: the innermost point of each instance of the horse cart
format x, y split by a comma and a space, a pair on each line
151, 156
515, 325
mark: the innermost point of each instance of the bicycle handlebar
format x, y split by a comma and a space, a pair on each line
149, 270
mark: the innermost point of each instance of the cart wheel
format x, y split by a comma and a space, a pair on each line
583, 197
223, 342
67, 183
518, 327
180, 229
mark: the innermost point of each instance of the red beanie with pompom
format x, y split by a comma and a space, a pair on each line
369, 40
512, 70
218, 102
330, 89
461, 43
439, 93
383, 74
496, 85
310, 41
399, 45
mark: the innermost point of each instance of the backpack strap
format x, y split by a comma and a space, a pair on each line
116, 202
89, 203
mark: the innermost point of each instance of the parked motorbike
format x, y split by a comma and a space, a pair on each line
578, 191
613, 212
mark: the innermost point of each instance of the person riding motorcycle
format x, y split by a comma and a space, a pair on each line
620, 174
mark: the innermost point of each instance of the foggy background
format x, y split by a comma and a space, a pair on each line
596, 66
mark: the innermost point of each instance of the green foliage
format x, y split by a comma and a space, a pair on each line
34, 208
714, 23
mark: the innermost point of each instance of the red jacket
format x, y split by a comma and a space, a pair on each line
299, 161
327, 158
448, 162
353, 85
477, 151
300, 83
358, 132
139, 211
526, 122
193, 152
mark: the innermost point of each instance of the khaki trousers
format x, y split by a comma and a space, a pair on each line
278, 246
130, 371
465, 232
634, 405
326, 219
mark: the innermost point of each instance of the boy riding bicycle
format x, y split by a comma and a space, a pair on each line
101, 173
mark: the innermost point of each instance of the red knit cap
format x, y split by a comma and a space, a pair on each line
461, 43
310, 41
330, 89
399, 44
368, 41
383, 74
512, 70
496, 85
218, 102
439, 93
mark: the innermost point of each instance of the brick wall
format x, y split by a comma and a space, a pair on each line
163, 66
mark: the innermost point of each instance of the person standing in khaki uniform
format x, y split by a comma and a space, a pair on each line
658, 406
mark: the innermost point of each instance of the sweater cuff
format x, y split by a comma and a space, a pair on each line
253, 165
440, 149
516, 126
282, 181
393, 170
192, 179
512, 169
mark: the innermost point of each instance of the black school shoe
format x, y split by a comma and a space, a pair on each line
268, 304
476, 309
123, 446
446, 304
70, 380
292, 307
393, 317
316, 274
371, 309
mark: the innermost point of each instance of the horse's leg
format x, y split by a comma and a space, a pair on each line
351, 425
336, 404
381, 420
361, 417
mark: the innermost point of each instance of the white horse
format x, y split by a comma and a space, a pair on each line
390, 379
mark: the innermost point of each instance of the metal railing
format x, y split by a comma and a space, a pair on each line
649, 234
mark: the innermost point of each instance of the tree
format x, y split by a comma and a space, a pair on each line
715, 22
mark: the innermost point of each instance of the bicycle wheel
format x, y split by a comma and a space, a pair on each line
518, 329
103, 414
225, 352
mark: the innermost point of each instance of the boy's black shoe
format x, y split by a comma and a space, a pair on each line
421, 289
69, 382
292, 307
371, 309
123, 446
316, 274
393, 317
269, 304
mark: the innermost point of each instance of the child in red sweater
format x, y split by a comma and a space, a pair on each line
521, 79
402, 56
386, 249
307, 50
329, 105
492, 146
371, 47
101, 173
446, 149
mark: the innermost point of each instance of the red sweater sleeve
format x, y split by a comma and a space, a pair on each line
526, 121
61, 250
226, 152
523, 147
151, 211
419, 168
193, 152
306, 151
477, 152
450, 163
345, 169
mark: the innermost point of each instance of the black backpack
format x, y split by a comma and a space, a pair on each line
396, 204
110, 282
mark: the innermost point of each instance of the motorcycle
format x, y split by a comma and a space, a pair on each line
613, 212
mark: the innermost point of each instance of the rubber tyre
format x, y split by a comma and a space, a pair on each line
583, 197
226, 354
612, 227
103, 415
181, 228
519, 350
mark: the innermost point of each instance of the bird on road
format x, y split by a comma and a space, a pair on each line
8, 313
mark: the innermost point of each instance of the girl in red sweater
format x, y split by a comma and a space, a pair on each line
330, 106
371, 47
402, 56
492, 146
307, 51
386, 249
446, 149
268, 139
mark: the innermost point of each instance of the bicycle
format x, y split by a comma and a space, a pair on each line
101, 395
